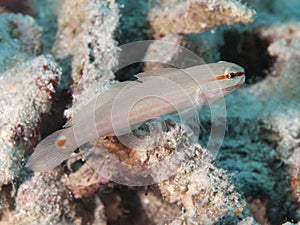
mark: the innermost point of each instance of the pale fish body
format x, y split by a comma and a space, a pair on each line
154, 94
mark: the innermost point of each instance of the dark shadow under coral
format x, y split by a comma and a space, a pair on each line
250, 51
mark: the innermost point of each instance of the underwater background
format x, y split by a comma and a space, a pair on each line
57, 55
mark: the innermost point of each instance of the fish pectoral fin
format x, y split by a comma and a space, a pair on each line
189, 118
68, 124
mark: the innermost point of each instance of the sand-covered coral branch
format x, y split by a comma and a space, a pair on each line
26, 92
284, 120
85, 31
195, 16
167, 54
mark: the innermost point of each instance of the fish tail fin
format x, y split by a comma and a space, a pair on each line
47, 155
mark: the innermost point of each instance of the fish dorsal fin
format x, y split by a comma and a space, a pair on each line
164, 72
95, 103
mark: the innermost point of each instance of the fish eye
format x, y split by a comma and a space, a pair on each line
232, 75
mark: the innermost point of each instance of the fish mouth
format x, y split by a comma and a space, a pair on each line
214, 95
231, 88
